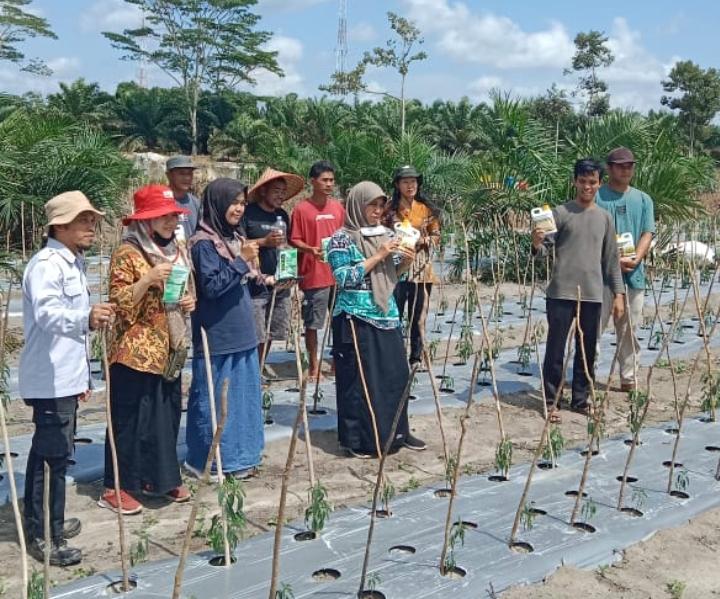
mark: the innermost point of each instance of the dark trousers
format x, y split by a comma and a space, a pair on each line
52, 442
414, 296
560, 314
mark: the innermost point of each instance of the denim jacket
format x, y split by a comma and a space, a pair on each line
56, 311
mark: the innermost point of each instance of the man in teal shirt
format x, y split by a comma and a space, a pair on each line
632, 212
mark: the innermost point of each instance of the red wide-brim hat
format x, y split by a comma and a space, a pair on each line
153, 201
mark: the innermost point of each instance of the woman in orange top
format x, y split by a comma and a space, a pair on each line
408, 202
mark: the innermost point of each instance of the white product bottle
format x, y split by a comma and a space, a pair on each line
543, 219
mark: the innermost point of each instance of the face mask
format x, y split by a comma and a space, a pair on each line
373, 231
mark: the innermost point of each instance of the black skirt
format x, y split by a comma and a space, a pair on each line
386, 373
145, 411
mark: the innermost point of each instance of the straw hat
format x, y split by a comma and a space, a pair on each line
295, 183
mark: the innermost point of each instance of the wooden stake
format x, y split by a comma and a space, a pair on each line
379, 478
303, 392
46, 529
116, 471
326, 335
218, 453
366, 393
196, 502
266, 343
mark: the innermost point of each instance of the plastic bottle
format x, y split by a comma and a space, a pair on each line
281, 226
626, 245
543, 219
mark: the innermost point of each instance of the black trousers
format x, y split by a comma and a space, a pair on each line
560, 314
413, 295
52, 442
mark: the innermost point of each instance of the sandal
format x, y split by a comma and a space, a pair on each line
554, 415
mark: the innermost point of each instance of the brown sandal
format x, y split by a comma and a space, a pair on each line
554, 416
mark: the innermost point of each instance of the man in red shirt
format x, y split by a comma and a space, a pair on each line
315, 219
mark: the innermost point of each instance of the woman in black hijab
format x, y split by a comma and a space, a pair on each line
224, 262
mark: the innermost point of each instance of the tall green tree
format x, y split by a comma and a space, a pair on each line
591, 54
397, 54
17, 25
199, 44
83, 101
700, 99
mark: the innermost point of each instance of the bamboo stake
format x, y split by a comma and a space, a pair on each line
456, 469
196, 502
283, 493
303, 390
544, 433
46, 527
380, 474
326, 336
449, 340
366, 393
218, 453
266, 343
8, 454
116, 470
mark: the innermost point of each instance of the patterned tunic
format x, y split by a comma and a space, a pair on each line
354, 292
140, 338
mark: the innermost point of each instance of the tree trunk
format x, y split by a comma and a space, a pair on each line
402, 107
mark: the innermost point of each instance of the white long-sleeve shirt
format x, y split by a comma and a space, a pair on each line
56, 310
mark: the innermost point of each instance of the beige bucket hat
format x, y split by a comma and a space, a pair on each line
65, 207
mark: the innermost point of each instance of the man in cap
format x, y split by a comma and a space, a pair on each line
180, 171
54, 371
633, 212
267, 221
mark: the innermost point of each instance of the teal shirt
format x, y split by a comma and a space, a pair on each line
633, 212
354, 292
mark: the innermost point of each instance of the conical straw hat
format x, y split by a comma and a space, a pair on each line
295, 183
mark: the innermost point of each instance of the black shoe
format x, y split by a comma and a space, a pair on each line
60, 555
414, 443
71, 528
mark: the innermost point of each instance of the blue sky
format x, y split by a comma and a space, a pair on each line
474, 46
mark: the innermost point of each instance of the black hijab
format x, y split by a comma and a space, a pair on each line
218, 196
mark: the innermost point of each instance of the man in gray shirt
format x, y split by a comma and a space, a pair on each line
180, 172
586, 259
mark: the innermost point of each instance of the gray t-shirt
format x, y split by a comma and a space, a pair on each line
586, 254
189, 222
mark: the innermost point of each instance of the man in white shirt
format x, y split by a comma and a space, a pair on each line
54, 370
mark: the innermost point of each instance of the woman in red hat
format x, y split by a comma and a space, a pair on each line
149, 276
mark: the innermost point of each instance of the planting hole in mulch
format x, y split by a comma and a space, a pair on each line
219, 560
117, 587
382, 514
525, 373
455, 573
82, 441
412, 397
628, 479
584, 526
443, 493
537, 511
584, 452
484, 383
326, 575
629, 442
447, 390
469, 524
712, 448
706, 419
574, 493
679, 494
667, 463
292, 390
305, 535
631, 511
522, 547
269, 421
672, 431
401, 550
498, 478
545, 465
318, 412
371, 595
459, 363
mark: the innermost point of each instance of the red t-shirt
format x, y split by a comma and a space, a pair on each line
311, 225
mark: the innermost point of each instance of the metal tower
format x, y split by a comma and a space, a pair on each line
142, 79
341, 50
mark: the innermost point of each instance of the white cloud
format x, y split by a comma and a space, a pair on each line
288, 5
290, 52
489, 39
480, 88
111, 15
362, 32
65, 68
